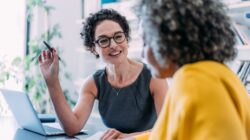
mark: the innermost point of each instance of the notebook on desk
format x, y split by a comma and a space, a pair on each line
25, 115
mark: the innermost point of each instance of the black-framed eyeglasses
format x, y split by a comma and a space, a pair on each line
105, 41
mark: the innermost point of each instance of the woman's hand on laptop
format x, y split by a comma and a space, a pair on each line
112, 134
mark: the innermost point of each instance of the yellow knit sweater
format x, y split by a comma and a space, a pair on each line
206, 101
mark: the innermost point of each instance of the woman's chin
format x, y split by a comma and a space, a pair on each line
116, 61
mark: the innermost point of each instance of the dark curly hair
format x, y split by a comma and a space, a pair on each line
89, 26
186, 31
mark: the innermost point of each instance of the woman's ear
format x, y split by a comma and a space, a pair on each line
93, 50
151, 57
159, 71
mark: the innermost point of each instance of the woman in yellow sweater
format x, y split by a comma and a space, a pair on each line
190, 40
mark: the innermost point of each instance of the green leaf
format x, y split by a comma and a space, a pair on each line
16, 61
7, 75
67, 75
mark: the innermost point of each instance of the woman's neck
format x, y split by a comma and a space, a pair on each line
118, 74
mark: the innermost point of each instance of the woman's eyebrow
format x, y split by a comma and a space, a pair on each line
107, 35
100, 36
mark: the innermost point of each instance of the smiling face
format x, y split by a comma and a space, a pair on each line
116, 52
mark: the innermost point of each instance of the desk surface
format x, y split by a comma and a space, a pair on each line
10, 130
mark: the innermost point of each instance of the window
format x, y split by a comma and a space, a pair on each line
12, 36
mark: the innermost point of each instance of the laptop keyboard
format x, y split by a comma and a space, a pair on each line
52, 131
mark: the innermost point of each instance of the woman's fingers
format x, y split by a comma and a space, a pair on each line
45, 56
40, 58
106, 134
54, 55
114, 135
49, 56
110, 134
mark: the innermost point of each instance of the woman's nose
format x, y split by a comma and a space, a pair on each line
113, 44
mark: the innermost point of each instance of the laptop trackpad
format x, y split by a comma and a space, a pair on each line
53, 129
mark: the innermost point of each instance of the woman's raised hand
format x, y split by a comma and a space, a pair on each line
49, 65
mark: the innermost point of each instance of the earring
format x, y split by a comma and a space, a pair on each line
94, 51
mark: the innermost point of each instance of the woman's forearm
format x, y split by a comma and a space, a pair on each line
67, 119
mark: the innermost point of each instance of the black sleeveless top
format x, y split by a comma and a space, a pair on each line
129, 109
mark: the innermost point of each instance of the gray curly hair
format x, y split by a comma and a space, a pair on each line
186, 31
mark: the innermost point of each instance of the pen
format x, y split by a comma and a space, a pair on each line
50, 48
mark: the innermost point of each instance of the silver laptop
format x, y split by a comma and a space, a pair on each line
25, 115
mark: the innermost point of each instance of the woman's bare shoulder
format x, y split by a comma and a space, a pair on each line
89, 86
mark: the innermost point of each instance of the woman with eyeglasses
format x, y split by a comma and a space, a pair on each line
130, 99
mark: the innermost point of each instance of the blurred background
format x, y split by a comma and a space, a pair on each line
26, 23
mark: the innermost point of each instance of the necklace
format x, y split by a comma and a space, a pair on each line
116, 90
